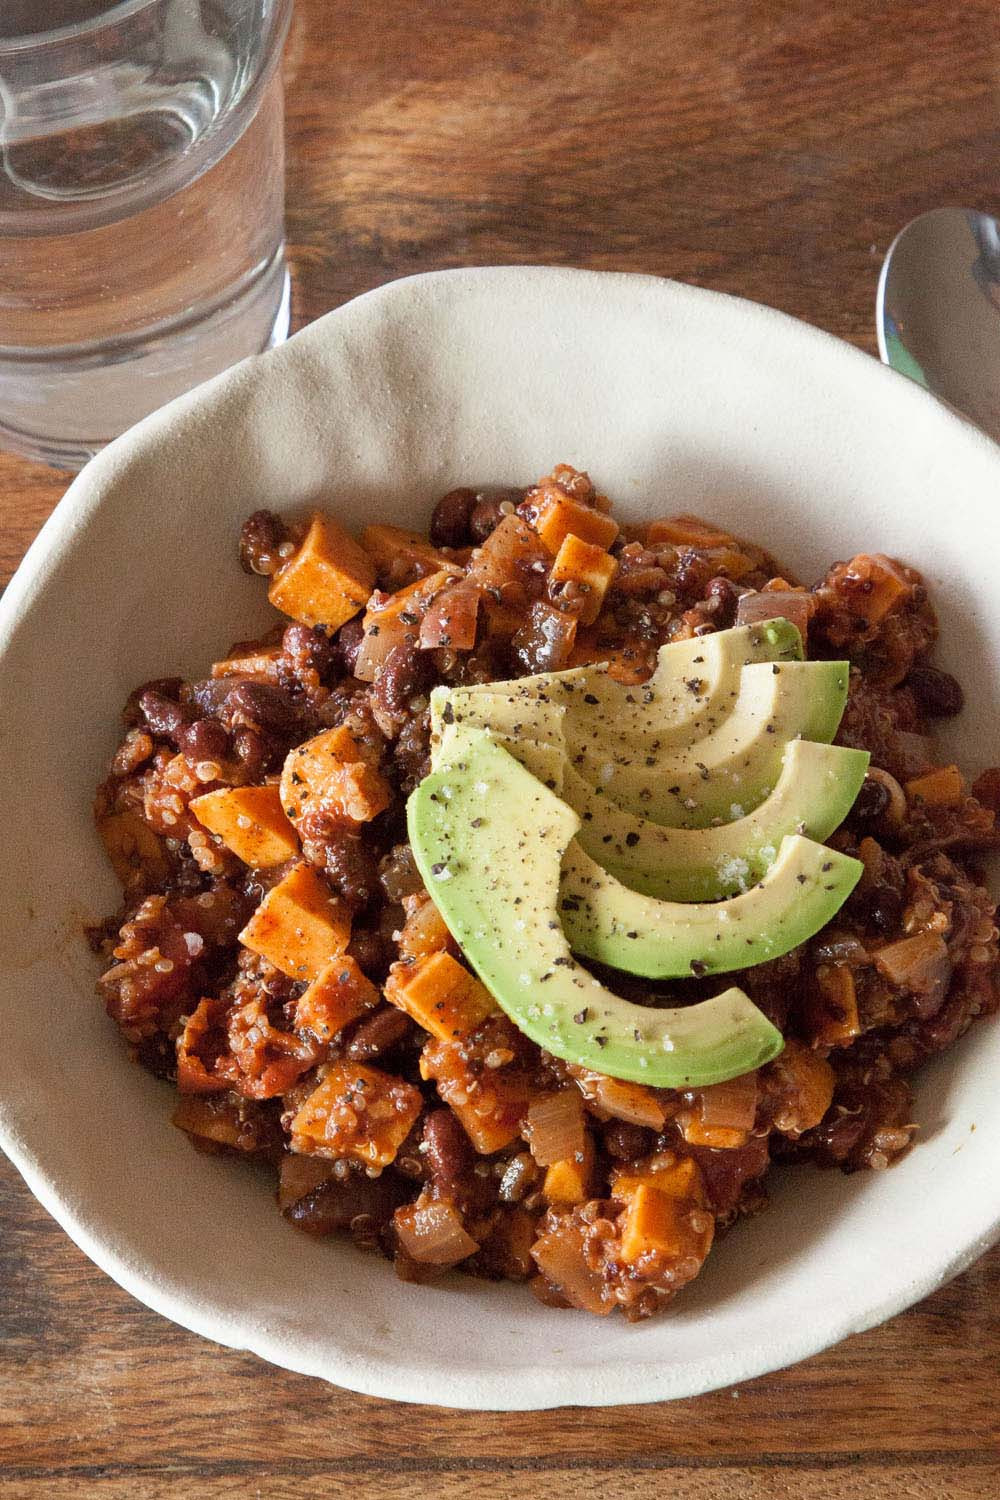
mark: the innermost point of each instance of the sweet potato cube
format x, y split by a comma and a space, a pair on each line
489, 1101
556, 516
571, 1180
133, 847
333, 772
359, 1112
877, 585
393, 548
327, 580
587, 566
394, 620
719, 1137
619, 1099
339, 994
249, 820
675, 1178
299, 926
686, 531
801, 1082
656, 1224
440, 995
943, 787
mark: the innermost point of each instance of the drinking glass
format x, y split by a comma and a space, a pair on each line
141, 208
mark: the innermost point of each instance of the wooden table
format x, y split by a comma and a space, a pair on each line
765, 148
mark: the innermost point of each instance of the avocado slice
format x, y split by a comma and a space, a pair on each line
813, 795
489, 840
806, 885
694, 684
734, 767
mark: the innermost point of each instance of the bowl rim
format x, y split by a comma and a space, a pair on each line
541, 1385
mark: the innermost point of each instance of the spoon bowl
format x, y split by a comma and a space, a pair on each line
938, 309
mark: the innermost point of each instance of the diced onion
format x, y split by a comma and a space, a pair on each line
919, 964
299, 1175
776, 604
433, 1234
559, 1255
379, 638
554, 1128
731, 1105
450, 619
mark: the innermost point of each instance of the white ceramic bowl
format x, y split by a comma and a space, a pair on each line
674, 399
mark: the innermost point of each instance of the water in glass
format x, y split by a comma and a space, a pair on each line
141, 209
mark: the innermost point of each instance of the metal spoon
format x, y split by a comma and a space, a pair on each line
938, 309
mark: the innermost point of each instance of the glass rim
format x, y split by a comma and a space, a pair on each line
123, 10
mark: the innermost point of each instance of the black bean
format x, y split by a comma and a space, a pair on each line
871, 804
259, 705
260, 537
625, 1141
722, 598
384, 1029
163, 715
451, 517
884, 907
446, 1148
938, 694
398, 873
204, 739
372, 951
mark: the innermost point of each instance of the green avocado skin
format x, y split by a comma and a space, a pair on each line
804, 888
489, 839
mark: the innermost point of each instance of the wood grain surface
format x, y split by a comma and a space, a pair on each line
764, 148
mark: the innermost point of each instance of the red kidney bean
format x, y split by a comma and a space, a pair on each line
164, 716
384, 1029
310, 649
404, 673
204, 739
447, 1149
722, 598
451, 517
348, 644
259, 705
260, 537
398, 874
346, 858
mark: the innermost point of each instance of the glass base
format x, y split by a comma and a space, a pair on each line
61, 406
